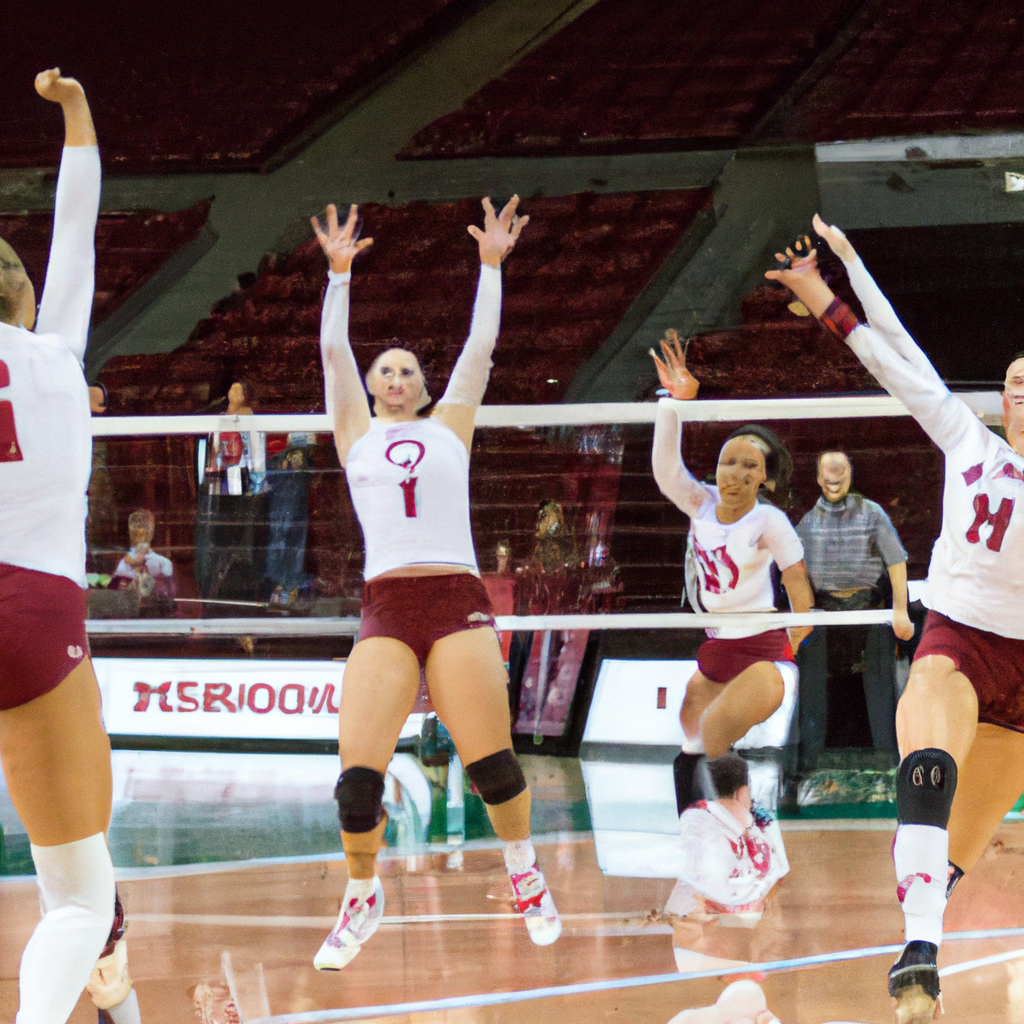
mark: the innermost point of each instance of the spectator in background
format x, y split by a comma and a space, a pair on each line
151, 574
849, 546
235, 462
288, 478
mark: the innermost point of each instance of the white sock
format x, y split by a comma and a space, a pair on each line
76, 889
694, 746
126, 1012
358, 889
921, 857
520, 856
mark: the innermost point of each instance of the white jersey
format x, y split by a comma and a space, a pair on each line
45, 429
728, 565
976, 574
410, 487
733, 866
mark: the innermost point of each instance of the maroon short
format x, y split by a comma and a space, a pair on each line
723, 660
420, 610
993, 663
42, 622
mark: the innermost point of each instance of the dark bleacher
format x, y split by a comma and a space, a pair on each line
921, 67
640, 76
192, 85
130, 248
581, 263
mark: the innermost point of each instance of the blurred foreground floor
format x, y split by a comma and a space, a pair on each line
450, 944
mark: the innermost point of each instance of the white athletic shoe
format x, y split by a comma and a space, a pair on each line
357, 921
533, 900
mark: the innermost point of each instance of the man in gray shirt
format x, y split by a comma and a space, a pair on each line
849, 545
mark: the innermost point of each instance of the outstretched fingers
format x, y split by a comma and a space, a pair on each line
508, 213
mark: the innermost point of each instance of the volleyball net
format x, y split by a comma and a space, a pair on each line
177, 480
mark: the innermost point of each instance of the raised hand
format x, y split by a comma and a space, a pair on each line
672, 371
798, 271
340, 242
500, 231
837, 241
53, 87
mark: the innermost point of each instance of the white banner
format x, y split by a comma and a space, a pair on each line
222, 698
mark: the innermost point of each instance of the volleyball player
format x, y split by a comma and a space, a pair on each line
56, 755
424, 606
734, 541
960, 722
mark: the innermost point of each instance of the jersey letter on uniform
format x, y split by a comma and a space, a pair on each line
409, 458
9, 448
999, 521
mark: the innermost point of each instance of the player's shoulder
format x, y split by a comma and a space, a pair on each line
772, 515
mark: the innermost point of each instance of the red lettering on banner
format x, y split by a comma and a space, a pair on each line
326, 699
258, 688
217, 693
999, 521
186, 702
300, 702
145, 691
241, 696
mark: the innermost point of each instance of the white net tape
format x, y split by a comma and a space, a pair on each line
609, 620
987, 404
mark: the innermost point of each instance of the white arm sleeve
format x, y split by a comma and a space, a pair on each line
66, 306
468, 381
342, 383
674, 480
886, 348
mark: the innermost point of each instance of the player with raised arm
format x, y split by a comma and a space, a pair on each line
424, 606
56, 755
960, 722
734, 540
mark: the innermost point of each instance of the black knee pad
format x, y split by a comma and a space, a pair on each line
360, 792
925, 784
497, 777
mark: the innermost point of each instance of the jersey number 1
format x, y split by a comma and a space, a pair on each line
9, 448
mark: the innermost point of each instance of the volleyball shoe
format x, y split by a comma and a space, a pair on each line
361, 911
533, 900
914, 984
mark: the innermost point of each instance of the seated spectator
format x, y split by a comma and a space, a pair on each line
141, 567
849, 546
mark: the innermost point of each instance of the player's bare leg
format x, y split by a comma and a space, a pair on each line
989, 783
381, 681
468, 687
936, 723
56, 760
715, 715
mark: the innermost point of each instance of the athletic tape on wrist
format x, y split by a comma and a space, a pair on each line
839, 319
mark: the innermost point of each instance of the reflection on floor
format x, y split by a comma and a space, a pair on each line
231, 874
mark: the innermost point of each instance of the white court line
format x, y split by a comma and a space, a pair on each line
284, 921
985, 961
